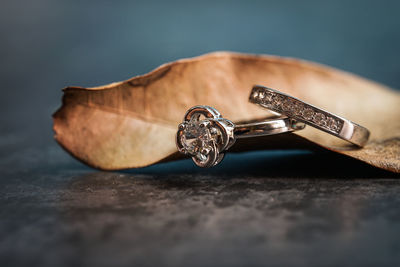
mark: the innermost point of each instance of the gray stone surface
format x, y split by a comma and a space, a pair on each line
255, 209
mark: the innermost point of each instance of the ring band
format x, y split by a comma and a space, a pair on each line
205, 135
266, 127
309, 114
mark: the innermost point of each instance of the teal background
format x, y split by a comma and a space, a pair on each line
47, 45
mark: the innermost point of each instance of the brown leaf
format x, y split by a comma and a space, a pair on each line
133, 123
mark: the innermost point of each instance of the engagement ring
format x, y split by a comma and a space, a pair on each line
205, 135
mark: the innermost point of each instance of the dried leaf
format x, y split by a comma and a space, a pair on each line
132, 124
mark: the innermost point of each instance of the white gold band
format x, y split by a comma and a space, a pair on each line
296, 109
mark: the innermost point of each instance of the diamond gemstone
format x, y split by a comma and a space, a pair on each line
287, 104
196, 138
277, 100
254, 95
268, 97
319, 119
308, 113
297, 108
261, 95
291, 106
333, 124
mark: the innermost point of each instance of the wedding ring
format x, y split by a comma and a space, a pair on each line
205, 135
309, 114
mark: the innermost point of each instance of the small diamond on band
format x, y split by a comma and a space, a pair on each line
307, 113
333, 124
319, 119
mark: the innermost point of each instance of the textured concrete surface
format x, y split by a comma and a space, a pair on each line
256, 209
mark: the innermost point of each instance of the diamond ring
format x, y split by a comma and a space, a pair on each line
309, 114
205, 135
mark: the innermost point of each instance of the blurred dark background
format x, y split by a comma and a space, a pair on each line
47, 45
54, 211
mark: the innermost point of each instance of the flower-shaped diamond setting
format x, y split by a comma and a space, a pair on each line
204, 135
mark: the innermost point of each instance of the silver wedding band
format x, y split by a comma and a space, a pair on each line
316, 117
